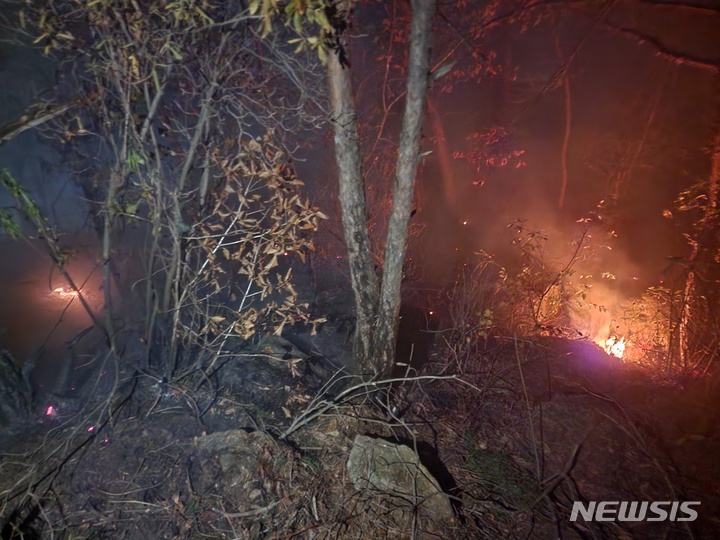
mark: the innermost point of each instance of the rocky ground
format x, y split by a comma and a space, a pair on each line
280, 442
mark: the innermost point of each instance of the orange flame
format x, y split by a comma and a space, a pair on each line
60, 292
615, 346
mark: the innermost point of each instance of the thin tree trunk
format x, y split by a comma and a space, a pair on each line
568, 126
687, 300
408, 153
352, 203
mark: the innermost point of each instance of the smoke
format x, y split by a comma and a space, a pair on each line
593, 314
38, 322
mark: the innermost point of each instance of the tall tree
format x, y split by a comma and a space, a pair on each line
378, 301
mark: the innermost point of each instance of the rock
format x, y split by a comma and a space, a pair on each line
395, 472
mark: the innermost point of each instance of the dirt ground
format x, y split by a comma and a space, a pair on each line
514, 435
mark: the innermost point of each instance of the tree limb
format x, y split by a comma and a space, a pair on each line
665, 52
405, 170
29, 121
689, 6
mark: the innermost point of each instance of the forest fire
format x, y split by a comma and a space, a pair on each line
395, 251
65, 294
615, 346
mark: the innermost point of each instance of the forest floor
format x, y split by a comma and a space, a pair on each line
514, 431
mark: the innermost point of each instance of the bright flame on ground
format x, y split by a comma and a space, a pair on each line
60, 292
615, 346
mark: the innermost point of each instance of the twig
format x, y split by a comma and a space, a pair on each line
538, 465
249, 513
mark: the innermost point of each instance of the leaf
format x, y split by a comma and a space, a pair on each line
40, 38
134, 66
203, 15
322, 20
272, 264
131, 208
175, 52
266, 5
253, 7
279, 329
297, 22
266, 27
8, 225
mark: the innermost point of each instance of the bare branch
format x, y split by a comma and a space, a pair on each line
665, 52
686, 6
28, 121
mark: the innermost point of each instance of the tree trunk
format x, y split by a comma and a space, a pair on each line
377, 313
352, 203
406, 167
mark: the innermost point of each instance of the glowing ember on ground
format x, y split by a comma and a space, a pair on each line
615, 346
60, 292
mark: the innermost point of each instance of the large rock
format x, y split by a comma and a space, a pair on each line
394, 471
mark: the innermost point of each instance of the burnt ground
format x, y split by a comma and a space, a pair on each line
514, 429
